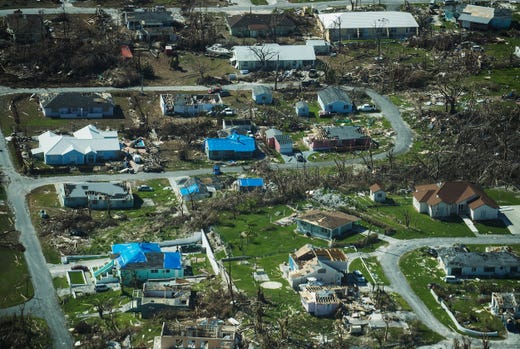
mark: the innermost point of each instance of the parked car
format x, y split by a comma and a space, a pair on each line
229, 111
358, 276
101, 288
144, 188
300, 158
367, 108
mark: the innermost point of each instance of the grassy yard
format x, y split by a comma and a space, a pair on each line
76, 277
468, 301
60, 282
16, 286
402, 213
504, 197
374, 274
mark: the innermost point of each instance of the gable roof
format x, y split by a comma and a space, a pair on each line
328, 219
270, 133
355, 20
261, 90
137, 255
453, 193
234, 142
86, 140
375, 188
333, 94
283, 139
265, 20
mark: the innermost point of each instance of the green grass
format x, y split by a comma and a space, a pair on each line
504, 197
76, 277
374, 275
51, 255
495, 226
421, 269
16, 286
75, 306
421, 225
60, 282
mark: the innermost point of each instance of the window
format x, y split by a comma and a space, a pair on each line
489, 269
154, 271
167, 271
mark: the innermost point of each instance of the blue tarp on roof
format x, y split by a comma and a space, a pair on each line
234, 142
189, 190
251, 182
134, 252
172, 260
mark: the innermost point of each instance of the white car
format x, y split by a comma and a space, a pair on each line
367, 108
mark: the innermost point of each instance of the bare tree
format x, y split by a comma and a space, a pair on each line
264, 54
450, 85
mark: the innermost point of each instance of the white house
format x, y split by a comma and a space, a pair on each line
186, 104
334, 100
461, 263
87, 146
273, 56
454, 198
72, 105
367, 25
262, 94
377, 194
321, 47
319, 300
324, 265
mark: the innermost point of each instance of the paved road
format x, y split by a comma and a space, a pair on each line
389, 256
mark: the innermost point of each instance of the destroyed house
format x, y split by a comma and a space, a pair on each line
157, 295
338, 138
203, 333
319, 300
188, 105
25, 28
96, 195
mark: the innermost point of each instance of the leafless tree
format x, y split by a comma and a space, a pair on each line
264, 54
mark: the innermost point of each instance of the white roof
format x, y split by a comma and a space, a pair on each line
355, 20
273, 52
82, 141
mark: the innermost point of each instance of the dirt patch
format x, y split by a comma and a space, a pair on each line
271, 285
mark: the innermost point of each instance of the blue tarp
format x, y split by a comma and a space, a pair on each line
134, 252
234, 142
189, 190
251, 182
172, 260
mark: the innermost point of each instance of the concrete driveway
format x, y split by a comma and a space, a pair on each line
511, 217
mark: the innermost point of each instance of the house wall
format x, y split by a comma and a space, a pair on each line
168, 342
192, 109
303, 111
321, 232
334, 34
128, 276
335, 107
484, 212
421, 207
319, 309
378, 196
482, 271
263, 98
227, 155
273, 64
285, 148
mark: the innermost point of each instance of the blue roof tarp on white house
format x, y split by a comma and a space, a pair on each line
234, 142
172, 260
191, 189
251, 182
134, 252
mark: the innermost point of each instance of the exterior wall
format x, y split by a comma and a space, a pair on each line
378, 196
285, 148
421, 207
303, 111
128, 277
273, 64
263, 98
500, 22
482, 271
334, 34
484, 212
73, 113
319, 309
335, 107
227, 154
192, 109
320, 232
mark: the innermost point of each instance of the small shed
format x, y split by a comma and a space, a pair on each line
262, 94
302, 108
249, 184
283, 144
269, 136
377, 194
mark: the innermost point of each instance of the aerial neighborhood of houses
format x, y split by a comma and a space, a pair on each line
223, 176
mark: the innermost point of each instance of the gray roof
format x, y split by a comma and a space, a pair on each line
272, 132
283, 139
455, 258
333, 94
344, 132
301, 104
260, 90
76, 100
272, 52
473, 19
79, 190
316, 42
355, 20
